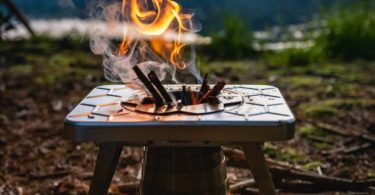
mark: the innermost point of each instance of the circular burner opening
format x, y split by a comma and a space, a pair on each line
188, 98
185, 100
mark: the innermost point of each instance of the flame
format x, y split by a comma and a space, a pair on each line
154, 20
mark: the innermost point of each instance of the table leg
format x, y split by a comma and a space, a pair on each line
105, 166
258, 166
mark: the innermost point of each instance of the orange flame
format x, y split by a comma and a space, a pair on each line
154, 21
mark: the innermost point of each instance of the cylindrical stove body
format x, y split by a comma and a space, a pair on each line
184, 170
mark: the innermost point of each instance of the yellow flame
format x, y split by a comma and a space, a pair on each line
155, 20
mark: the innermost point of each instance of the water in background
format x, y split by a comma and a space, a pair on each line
255, 13
59, 18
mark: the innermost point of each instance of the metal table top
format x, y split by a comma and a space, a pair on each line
263, 115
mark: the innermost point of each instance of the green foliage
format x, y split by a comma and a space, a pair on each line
3, 119
285, 154
309, 129
349, 35
311, 166
293, 57
302, 81
322, 146
331, 107
350, 32
233, 42
87, 147
51, 63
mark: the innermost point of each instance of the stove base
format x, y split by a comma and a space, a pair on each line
184, 170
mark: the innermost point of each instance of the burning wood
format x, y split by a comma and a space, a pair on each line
160, 95
194, 99
186, 96
204, 88
213, 100
214, 92
155, 80
158, 99
217, 88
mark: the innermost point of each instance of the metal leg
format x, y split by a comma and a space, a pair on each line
105, 166
258, 166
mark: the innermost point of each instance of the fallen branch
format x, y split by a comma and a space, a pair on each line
326, 182
129, 187
319, 139
242, 184
348, 150
337, 130
49, 175
85, 175
357, 148
281, 171
248, 191
298, 187
238, 159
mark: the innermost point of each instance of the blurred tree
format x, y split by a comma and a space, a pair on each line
5, 20
5, 17
234, 41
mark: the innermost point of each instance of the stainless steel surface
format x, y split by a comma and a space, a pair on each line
227, 99
263, 115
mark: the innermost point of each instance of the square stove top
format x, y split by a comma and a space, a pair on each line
245, 113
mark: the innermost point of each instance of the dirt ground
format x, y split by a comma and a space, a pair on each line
42, 80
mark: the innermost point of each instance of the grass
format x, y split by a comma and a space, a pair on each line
309, 129
292, 57
234, 70
3, 119
311, 166
302, 81
330, 107
322, 146
51, 62
349, 35
371, 173
289, 154
350, 32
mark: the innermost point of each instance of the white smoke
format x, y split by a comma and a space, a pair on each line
118, 68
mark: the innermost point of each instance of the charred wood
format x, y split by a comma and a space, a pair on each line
214, 92
159, 86
217, 88
186, 96
204, 88
142, 77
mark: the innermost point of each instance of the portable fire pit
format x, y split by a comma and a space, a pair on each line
182, 127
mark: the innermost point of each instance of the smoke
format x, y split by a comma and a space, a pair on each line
122, 45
